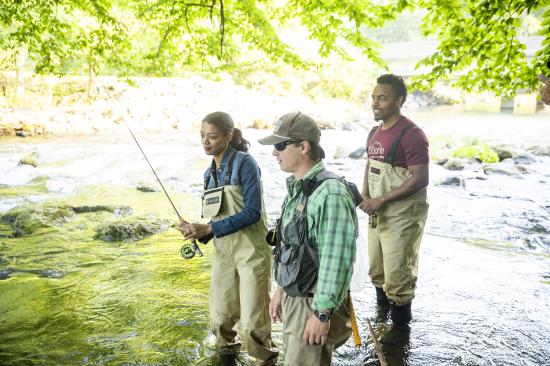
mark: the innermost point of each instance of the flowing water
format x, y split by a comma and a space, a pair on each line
69, 299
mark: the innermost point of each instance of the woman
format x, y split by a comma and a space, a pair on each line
241, 266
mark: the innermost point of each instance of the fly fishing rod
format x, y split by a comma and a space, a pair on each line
187, 250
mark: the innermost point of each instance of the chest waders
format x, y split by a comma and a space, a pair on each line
241, 277
394, 234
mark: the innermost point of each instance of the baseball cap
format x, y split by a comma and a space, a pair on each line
294, 126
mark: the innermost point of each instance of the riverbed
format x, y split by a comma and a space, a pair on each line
67, 298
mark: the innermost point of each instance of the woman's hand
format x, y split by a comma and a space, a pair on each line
195, 231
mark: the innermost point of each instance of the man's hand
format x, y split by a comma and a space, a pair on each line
372, 205
195, 231
275, 307
545, 91
316, 331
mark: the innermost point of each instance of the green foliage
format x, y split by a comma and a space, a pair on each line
476, 150
478, 41
478, 47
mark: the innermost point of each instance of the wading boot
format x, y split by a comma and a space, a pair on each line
381, 298
401, 315
227, 356
399, 333
382, 306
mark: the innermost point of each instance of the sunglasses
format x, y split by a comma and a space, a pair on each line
282, 145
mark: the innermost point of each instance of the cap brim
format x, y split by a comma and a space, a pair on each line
273, 139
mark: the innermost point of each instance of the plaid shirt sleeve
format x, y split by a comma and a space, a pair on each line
334, 231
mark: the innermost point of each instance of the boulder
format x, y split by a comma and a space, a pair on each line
453, 180
147, 188
341, 153
30, 159
539, 150
454, 164
129, 230
503, 152
501, 168
524, 158
25, 220
358, 154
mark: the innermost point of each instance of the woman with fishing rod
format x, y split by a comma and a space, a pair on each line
241, 265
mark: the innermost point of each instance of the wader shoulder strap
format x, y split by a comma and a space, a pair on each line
371, 132
229, 170
310, 185
214, 174
393, 149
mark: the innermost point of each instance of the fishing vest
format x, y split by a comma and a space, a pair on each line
296, 261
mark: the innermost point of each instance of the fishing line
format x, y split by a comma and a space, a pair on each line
187, 250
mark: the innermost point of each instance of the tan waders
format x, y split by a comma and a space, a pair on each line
241, 278
296, 312
394, 235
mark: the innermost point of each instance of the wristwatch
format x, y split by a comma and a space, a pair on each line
323, 317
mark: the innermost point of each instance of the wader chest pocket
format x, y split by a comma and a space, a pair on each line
212, 200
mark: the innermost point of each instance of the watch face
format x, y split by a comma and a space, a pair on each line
323, 317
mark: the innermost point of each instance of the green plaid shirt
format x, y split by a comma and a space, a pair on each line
332, 224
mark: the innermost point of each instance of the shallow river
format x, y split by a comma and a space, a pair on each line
67, 299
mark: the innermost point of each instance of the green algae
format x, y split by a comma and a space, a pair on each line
27, 219
36, 186
129, 229
113, 304
29, 159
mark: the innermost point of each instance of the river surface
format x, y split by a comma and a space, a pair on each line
67, 299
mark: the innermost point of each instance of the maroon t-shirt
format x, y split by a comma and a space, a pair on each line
412, 150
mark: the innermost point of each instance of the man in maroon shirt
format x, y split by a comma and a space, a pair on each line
394, 192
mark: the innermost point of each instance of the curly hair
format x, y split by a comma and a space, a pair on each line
398, 85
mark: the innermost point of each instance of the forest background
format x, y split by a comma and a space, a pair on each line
317, 48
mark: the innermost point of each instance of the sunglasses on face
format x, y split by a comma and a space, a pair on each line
282, 145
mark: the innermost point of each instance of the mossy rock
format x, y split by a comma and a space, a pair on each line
30, 159
6, 231
27, 219
129, 229
116, 210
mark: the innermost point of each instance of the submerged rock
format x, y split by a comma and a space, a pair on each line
51, 273
539, 150
30, 159
117, 210
5, 274
27, 219
525, 158
129, 229
147, 188
454, 180
501, 168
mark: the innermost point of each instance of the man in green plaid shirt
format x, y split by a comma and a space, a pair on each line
313, 276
